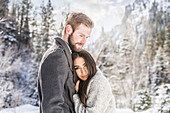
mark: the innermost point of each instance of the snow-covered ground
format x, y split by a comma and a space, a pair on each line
33, 109
21, 109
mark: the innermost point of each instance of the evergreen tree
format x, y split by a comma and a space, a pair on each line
46, 25
125, 69
152, 12
3, 8
23, 22
160, 70
167, 53
160, 39
161, 99
146, 62
65, 14
8, 29
36, 37
142, 101
158, 75
9, 33
158, 18
101, 53
9, 68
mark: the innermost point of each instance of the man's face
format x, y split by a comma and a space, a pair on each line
78, 38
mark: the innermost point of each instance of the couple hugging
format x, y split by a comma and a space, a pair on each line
68, 79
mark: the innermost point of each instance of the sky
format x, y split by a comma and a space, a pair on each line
104, 13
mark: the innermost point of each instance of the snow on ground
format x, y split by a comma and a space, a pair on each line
124, 111
147, 111
33, 109
21, 109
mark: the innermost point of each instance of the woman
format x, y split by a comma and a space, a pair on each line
94, 94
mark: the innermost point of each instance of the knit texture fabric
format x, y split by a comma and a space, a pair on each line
100, 97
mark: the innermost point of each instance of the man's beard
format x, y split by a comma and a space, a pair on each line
72, 46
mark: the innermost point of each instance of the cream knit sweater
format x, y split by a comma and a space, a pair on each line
100, 97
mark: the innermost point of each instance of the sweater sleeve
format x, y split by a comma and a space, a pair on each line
99, 96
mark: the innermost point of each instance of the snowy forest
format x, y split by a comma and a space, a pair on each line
134, 56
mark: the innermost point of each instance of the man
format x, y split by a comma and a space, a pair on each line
56, 78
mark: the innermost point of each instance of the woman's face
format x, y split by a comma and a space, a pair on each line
81, 68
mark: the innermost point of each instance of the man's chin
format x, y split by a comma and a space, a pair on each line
77, 50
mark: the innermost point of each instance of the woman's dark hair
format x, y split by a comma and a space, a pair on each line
91, 67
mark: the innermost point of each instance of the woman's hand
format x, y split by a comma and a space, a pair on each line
77, 86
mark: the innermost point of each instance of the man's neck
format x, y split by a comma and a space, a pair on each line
65, 38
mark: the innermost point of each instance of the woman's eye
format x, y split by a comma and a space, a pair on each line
76, 68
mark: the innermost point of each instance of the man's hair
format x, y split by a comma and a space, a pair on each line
76, 19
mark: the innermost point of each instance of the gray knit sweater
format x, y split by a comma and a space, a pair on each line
100, 97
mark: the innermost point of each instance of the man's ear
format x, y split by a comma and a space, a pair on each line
69, 29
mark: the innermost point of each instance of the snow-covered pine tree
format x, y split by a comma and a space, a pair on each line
146, 62
65, 12
160, 39
28, 82
23, 18
142, 100
153, 18
3, 8
167, 39
125, 67
50, 23
8, 30
105, 55
158, 70
24, 88
158, 17
167, 53
101, 55
47, 24
9, 68
28, 76
161, 95
161, 99
36, 37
